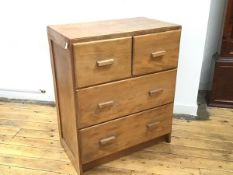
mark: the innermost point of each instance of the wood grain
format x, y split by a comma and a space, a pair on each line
87, 54
62, 62
84, 56
155, 52
127, 132
90, 31
129, 96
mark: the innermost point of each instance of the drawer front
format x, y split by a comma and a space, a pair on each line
105, 102
107, 138
155, 52
102, 61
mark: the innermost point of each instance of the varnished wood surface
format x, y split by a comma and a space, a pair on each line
29, 145
126, 132
87, 54
127, 97
222, 89
227, 39
221, 94
110, 29
94, 53
156, 52
65, 100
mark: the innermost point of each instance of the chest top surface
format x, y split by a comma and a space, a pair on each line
111, 28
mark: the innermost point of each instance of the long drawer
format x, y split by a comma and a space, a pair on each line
109, 101
113, 136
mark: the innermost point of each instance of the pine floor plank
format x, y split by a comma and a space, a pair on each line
9, 130
144, 162
200, 142
40, 134
34, 152
192, 151
221, 112
170, 161
101, 170
35, 142
213, 172
186, 132
56, 166
5, 170
28, 125
5, 138
204, 125
25, 171
42, 118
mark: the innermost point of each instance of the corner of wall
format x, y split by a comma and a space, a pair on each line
185, 109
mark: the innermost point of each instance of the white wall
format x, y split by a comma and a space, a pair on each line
213, 41
24, 55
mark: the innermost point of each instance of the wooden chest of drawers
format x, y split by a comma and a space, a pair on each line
114, 86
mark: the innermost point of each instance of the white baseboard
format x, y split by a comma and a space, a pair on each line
26, 96
185, 109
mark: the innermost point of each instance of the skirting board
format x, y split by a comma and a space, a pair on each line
185, 109
26, 96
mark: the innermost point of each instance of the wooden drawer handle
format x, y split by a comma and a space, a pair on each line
106, 104
107, 62
153, 125
158, 54
155, 92
107, 140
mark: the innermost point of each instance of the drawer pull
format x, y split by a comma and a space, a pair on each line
153, 125
66, 46
155, 92
106, 104
107, 62
158, 54
107, 140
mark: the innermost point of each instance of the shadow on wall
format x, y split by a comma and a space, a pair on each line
202, 112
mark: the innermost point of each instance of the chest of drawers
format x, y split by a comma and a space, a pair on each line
114, 86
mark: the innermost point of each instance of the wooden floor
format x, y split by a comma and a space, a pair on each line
29, 145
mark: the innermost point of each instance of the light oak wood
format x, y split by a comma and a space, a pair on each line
122, 133
102, 61
28, 124
34, 152
155, 52
108, 171
35, 142
179, 149
93, 67
90, 31
65, 100
209, 172
122, 153
129, 96
160, 161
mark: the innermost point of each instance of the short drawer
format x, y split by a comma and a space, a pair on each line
155, 52
110, 137
102, 61
109, 101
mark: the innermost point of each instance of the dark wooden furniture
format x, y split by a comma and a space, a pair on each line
114, 85
221, 94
